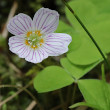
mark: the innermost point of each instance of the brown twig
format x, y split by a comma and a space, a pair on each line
11, 97
31, 105
19, 91
11, 14
12, 65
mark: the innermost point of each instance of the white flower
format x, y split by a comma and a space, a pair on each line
35, 40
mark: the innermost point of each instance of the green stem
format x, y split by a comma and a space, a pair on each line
74, 92
61, 99
83, 26
105, 87
103, 73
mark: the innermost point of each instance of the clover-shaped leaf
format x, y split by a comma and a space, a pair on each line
52, 78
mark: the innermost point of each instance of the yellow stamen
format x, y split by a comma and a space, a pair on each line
29, 33
34, 47
41, 40
40, 44
26, 42
38, 33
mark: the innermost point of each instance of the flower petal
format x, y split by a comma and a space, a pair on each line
36, 56
20, 24
57, 43
17, 46
46, 20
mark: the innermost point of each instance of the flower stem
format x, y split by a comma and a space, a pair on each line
61, 99
74, 92
89, 34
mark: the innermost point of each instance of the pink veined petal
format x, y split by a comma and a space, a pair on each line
36, 56
24, 52
20, 24
56, 43
44, 53
46, 20
16, 44
30, 57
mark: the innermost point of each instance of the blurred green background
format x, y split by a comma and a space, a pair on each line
16, 71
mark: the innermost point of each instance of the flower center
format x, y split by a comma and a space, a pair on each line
34, 39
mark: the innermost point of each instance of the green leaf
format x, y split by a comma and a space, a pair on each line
84, 104
103, 6
52, 78
85, 10
76, 39
93, 92
77, 71
63, 27
95, 15
81, 50
101, 33
106, 88
86, 54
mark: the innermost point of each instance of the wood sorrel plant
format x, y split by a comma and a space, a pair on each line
82, 56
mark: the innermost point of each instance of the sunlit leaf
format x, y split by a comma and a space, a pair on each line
97, 22
63, 27
101, 33
52, 78
75, 70
85, 10
86, 54
102, 5
94, 92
